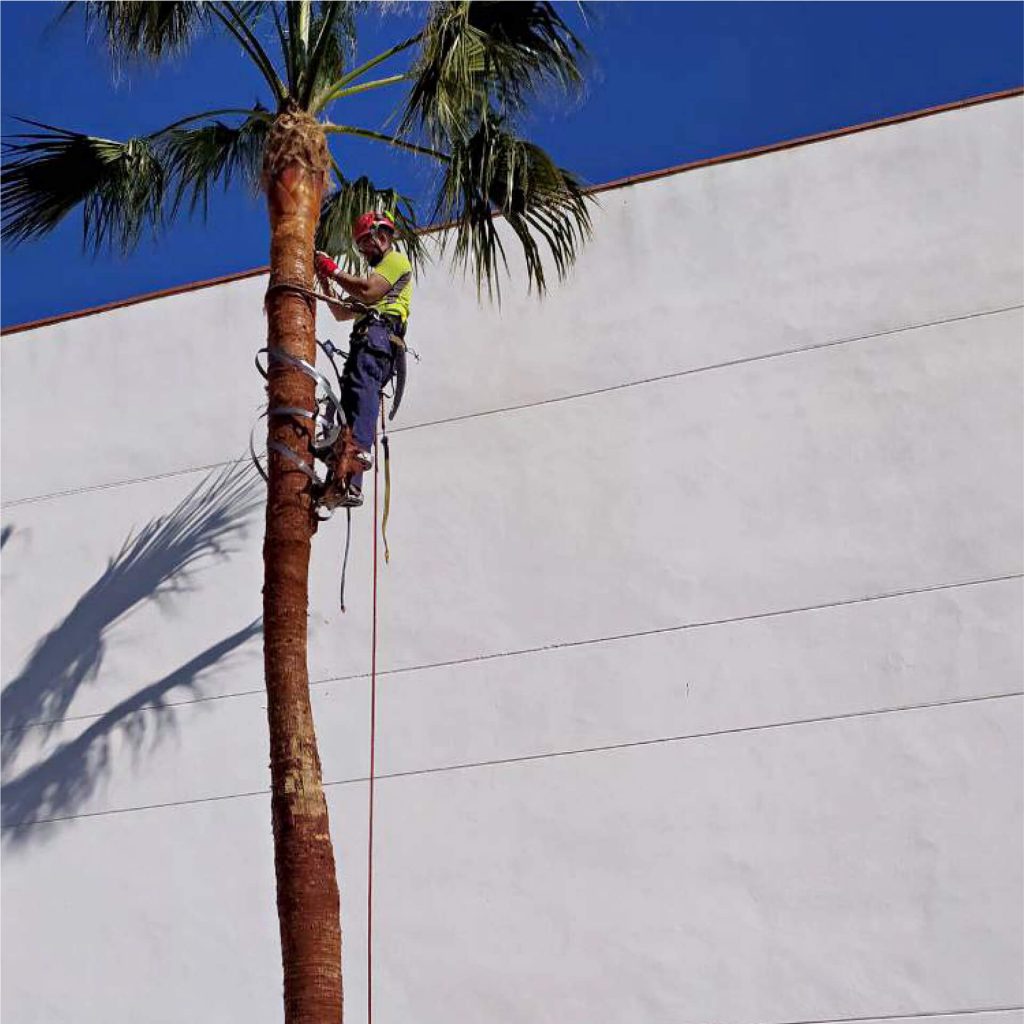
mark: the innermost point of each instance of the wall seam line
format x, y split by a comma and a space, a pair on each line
552, 647
552, 755
687, 737
692, 371
817, 346
926, 1015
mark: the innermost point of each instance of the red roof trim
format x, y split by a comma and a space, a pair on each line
635, 179
195, 286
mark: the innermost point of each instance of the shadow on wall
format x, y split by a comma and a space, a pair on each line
154, 564
60, 783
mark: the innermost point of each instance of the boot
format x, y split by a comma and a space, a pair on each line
347, 457
343, 460
340, 494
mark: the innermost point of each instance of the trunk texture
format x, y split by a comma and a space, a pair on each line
308, 902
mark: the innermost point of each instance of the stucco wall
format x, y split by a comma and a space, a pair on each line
701, 646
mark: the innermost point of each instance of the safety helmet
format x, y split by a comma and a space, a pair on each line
368, 222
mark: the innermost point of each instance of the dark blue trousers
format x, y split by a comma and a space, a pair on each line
368, 369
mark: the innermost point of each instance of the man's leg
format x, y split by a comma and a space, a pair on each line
366, 373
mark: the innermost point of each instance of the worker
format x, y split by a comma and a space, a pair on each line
381, 313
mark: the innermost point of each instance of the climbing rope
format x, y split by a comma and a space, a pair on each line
283, 284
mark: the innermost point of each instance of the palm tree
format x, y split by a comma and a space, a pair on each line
468, 75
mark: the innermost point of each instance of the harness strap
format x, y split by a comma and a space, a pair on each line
281, 410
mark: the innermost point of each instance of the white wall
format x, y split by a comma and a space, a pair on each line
701, 646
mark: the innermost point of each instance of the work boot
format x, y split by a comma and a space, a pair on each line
352, 497
347, 457
338, 492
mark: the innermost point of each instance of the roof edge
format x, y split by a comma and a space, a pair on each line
805, 140
635, 179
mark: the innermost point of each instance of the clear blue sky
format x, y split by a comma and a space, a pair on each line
669, 83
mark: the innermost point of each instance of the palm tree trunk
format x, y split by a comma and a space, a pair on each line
308, 902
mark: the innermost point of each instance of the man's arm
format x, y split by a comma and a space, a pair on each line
341, 309
367, 290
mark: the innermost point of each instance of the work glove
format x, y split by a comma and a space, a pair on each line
324, 264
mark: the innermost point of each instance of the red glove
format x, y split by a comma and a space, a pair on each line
324, 264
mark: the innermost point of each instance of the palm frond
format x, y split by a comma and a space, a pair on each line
448, 88
494, 172
333, 43
333, 89
390, 140
526, 47
241, 20
348, 201
135, 29
487, 54
199, 158
155, 30
47, 173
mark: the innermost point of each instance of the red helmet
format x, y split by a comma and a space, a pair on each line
367, 222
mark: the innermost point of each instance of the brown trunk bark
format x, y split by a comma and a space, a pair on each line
308, 903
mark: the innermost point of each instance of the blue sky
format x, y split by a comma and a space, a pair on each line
668, 83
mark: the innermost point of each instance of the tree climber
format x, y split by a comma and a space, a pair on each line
378, 331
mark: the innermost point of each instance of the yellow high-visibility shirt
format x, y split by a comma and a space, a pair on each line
396, 269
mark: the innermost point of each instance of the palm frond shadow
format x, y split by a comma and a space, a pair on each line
58, 786
153, 564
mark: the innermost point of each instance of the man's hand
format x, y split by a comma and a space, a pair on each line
325, 265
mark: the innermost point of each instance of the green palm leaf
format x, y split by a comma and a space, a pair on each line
198, 158
479, 65
494, 172
332, 48
481, 54
155, 30
134, 29
46, 174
